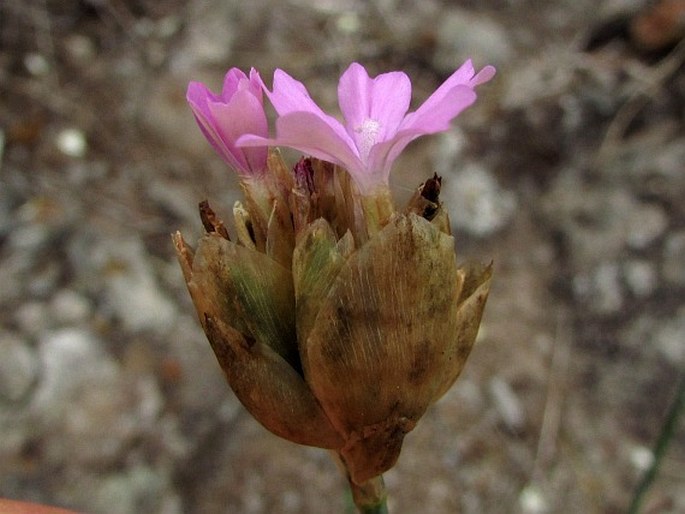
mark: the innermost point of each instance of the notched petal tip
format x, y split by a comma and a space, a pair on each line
484, 75
197, 94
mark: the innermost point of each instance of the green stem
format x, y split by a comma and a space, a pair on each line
378, 209
665, 437
371, 496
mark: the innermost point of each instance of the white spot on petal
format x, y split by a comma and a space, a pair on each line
368, 134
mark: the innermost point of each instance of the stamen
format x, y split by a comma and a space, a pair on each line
368, 131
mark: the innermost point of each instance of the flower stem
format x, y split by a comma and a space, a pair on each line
378, 209
371, 496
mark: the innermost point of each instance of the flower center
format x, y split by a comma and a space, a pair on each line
368, 133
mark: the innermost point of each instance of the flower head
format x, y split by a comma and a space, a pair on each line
337, 318
376, 124
224, 117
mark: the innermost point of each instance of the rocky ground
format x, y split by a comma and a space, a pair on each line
569, 173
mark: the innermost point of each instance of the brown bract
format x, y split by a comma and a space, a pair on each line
337, 320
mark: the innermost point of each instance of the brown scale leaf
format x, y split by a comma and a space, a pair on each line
376, 355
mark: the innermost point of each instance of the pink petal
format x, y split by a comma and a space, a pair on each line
256, 84
391, 98
198, 97
244, 114
383, 155
383, 100
231, 82
354, 95
290, 95
436, 113
464, 76
483, 76
308, 133
211, 134
223, 118
428, 119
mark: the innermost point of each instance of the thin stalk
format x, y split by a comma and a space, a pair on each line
370, 497
662, 442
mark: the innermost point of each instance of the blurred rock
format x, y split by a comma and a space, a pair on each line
532, 501
201, 382
641, 457
669, 337
86, 410
18, 367
600, 289
36, 64
463, 34
39, 221
210, 34
72, 142
480, 206
601, 221
131, 290
546, 75
29, 237
664, 334
673, 267
69, 307
635, 164
645, 224
660, 26
80, 48
69, 358
167, 115
135, 490
32, 317
641, 277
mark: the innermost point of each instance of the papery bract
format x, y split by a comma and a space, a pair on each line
236, 111
377, 127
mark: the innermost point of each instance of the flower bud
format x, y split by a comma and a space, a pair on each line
226, 116
344, 339
336, 318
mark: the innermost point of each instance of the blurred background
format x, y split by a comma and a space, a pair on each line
569, 172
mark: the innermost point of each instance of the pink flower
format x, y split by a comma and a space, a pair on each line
223, 118
377, 127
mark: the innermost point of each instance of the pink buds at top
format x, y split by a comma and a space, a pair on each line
236, 111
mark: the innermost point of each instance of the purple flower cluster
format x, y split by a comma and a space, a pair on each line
376, 128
